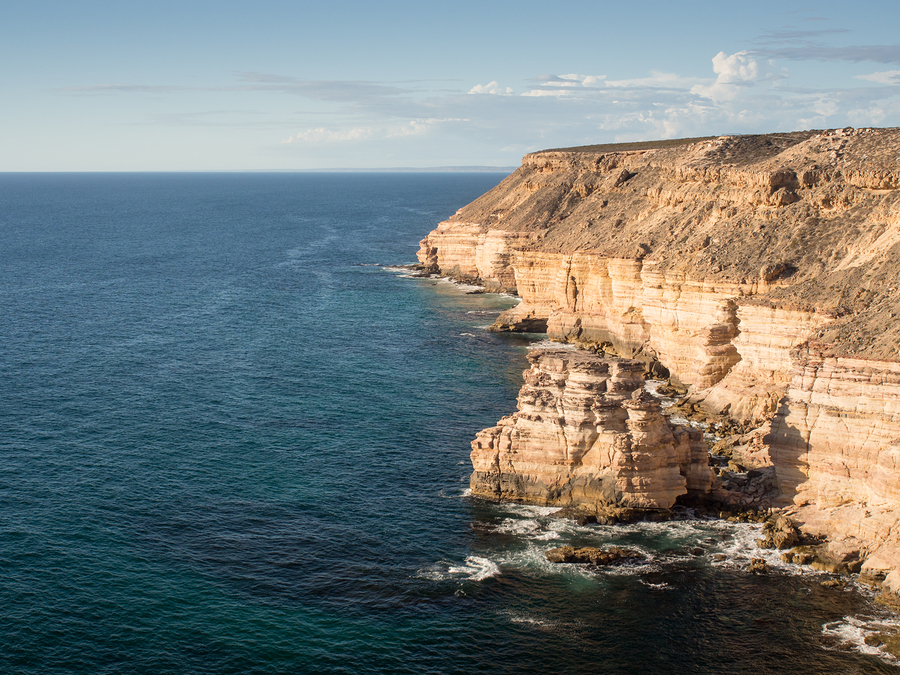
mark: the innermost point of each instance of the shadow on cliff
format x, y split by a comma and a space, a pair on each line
789, 450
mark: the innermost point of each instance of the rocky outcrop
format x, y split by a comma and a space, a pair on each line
762, 272
590, 555
588, 434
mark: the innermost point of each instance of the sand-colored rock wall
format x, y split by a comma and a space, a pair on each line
835, 443
588, 435
703, 331
468, 252
724, 260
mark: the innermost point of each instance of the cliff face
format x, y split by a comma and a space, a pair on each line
723, 260
587, 434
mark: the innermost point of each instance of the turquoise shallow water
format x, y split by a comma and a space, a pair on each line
233, 442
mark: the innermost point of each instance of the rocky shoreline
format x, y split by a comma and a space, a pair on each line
759, 277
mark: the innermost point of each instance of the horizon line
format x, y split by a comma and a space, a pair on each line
399, 169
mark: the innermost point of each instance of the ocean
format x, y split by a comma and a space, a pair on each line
235, 436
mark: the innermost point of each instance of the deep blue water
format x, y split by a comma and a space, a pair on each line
233, 442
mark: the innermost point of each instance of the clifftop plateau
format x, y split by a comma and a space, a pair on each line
807, 220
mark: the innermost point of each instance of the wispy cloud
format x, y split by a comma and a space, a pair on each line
217, 118
791, 34
492, 87
322, 135
569, 85
738, 91
338, 91
799, 44
96, 89
884, 77
420, 127
656, 80
416, 127
853, 54
570, 80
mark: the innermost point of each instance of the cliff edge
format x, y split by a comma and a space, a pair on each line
761, 272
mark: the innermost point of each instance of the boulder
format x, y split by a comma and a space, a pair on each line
591, 555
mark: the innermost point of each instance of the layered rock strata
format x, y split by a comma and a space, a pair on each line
762, 271
835, 444
587, 434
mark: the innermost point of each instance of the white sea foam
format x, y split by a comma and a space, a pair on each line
475, 568
652, 386
532, 558
401, 271
851, 633
541, 623
550, 344
703, 541
684, 422
529, 511
740, 548
516, 526
465, 288
547, 536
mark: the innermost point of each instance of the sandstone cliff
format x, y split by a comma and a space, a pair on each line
587, 434
761, 271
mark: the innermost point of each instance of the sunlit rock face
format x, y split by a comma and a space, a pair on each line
835, 443
587, 435
763, 272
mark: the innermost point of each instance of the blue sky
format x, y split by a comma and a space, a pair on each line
198, 85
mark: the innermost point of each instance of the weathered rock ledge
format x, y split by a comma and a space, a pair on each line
761, 272
587, 434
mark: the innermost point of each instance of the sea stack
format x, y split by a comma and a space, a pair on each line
587, 435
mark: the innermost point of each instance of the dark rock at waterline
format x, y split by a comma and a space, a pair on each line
780, 532
886, 640
802, 555
591, 555
873, 579
612, 515
822, 560
758, 566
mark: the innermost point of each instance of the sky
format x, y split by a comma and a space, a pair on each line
196, 85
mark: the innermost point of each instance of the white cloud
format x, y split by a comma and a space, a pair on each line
417, 127
884, 77
874, 115
421, 127
565, 85
571, 79
491, 87
322, 135
559, 93
732, 73
738, 67
656, 80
